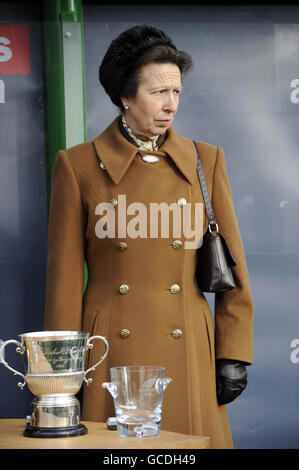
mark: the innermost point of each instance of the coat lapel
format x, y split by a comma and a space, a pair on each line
182, 152
117, 153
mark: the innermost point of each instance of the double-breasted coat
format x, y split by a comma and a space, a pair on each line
142, 289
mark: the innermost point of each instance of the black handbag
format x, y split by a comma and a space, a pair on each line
214, 259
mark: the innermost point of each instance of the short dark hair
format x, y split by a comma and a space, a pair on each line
119, 72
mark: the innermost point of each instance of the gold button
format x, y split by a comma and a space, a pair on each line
177, 244
181, 201
124, 289
175, 288
177, 333
113, 202
122, 246
102, 166
125, 333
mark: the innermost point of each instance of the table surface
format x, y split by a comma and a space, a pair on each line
98, 437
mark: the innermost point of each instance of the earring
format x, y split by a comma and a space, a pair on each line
126, 106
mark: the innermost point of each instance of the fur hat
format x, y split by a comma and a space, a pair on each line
123, 53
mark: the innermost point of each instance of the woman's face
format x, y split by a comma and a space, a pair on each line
152, 110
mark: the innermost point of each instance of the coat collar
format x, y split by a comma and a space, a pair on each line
117, 153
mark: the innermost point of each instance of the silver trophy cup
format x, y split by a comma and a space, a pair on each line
54, 361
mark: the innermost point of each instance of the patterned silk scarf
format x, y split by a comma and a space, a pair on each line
142, 142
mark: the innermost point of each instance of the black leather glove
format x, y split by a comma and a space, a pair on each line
231, 379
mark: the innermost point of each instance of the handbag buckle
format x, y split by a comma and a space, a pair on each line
213, 232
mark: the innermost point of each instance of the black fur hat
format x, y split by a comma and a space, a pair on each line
124, 52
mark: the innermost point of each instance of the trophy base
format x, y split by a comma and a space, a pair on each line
71, 431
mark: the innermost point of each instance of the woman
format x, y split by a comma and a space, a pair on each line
141, 292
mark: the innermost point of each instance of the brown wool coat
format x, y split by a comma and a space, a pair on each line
149, 266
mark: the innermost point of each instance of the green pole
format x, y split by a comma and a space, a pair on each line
64, 79
53, 85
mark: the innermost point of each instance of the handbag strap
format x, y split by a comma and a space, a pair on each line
205, 193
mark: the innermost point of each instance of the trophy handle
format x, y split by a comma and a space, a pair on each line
20, 349
90, 346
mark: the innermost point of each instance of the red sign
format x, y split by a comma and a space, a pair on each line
14, 49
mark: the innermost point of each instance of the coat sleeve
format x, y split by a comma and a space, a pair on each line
234, 310
65, 264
